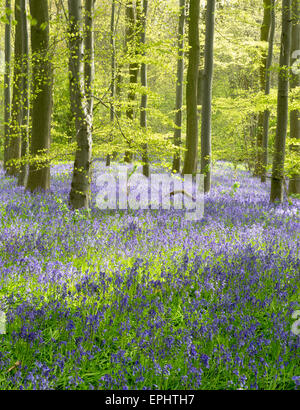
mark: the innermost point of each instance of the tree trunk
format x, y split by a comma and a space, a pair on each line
131, 35
207, 95
294, 183
113, 68
39, 168
179, 87
14, 147
265, 140
282, 106
80, 187
22, 177
264, 37
89, 64
7, 81
144, 83
201, 67
191, 154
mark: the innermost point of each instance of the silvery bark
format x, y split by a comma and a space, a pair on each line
14, 146
282, 106
207, 95
266, 121
144, 83
81, 106
131, 36
179, 87
7, 81
113, 68
264, 37
22, 177
294, 183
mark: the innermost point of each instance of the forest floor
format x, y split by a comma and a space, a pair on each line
147, 299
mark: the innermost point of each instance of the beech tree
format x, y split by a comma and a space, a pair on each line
191, 153
131, 48
113, 68
7, 79
266, 115
39, 168
22, 175
144, 83
14, 143
264, 37
89, 58
277, 179
81, 101
207, 94
179, 86
294, 183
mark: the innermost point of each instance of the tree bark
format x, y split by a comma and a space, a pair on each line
14, 147
7, 81
207, 95
39, 168
23, 174
264, 37
80, 186
113, 68
191, 154
294, 183
266, 119
282, 106
144, 83
131, 37
179, 87
89, 64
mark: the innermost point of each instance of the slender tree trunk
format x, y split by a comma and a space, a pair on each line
191, 154
89, 64
266, 119
131, 36
113, 68
144, 83
179, 87
294, 183
39, 168
201, 68
81, 106
22, 177
14, 147
264, 37
282, 105
207, 95
119, 79
7, 81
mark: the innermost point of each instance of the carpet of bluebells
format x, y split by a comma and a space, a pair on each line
146, 299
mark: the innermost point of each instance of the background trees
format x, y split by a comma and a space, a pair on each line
137, 78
